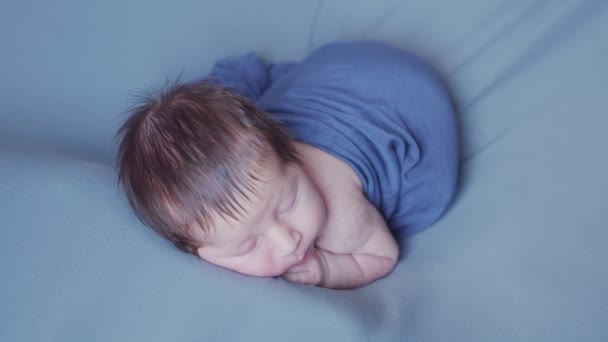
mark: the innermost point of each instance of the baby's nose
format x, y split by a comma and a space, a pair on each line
287, 240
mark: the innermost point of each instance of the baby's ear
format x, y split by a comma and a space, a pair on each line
201, 252
204, 253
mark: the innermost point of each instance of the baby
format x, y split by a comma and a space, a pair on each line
306, 170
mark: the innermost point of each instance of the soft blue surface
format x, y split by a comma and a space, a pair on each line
381, 110
520, 256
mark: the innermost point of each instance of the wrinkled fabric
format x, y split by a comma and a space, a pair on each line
383, 111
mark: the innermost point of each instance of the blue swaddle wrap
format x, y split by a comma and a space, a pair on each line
381, 110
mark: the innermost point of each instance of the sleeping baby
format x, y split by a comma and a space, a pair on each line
310, 171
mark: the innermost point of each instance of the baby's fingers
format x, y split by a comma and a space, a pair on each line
305, 277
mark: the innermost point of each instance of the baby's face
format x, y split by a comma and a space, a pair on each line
277, 230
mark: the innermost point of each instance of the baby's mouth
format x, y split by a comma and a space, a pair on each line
305, 257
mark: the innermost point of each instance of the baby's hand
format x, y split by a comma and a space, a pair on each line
310, 273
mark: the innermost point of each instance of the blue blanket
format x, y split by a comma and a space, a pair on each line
520, 255
379, 109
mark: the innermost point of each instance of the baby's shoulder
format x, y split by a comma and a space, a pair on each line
351, 217
334, 178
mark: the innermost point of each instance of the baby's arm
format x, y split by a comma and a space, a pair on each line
372, 261
352, 256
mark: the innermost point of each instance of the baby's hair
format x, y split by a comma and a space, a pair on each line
188, 151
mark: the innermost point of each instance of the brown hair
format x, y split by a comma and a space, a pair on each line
188, 150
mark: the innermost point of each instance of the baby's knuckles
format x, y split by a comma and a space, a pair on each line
310, 273
306, 277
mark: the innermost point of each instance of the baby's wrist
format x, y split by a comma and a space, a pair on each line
323, 267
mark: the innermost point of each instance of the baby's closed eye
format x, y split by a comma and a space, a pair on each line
287, 206
249, 246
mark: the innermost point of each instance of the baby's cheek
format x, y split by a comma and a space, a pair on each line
317, 209
252, 265
267, 265
321, 217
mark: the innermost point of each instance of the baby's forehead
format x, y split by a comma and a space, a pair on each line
247, 203
263, 180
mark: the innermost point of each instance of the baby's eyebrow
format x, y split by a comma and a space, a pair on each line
271, 203
258, 216
234, 204
250, 219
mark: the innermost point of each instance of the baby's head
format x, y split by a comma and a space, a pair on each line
219, 178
